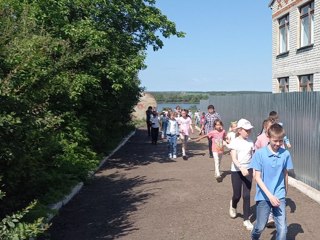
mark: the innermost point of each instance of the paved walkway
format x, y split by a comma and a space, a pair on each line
139, 194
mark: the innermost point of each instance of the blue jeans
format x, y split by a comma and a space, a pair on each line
172, 144
263, 210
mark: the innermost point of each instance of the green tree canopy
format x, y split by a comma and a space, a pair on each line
68, 84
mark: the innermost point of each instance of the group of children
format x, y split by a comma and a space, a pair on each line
175, 125
266, 160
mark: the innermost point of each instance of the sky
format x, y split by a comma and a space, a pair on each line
227, 47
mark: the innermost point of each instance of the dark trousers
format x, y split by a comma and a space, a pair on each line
154, 134
210, 146
149, 128
241, 184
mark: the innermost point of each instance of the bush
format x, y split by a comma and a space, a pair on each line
68, 84
14, 228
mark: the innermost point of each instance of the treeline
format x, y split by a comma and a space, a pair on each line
68, 84
193, 97
179, 97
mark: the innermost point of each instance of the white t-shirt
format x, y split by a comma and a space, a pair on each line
244, 150
172, 126
155, 122
231, 135
184, 125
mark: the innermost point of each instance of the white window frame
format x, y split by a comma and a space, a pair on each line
307, 17
283, 34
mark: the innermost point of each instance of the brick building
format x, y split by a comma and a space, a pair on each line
295, 45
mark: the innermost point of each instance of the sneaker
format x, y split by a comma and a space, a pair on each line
170, 155
184, 157
232, 211
219, 178
270, 223
174, 156
248, 225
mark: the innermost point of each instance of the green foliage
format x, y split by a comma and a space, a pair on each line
176, 97
68, 84
11, 227
14, 228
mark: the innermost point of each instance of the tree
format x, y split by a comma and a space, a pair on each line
68, 84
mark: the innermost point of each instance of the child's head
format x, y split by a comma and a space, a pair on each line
244, 128
172, 115
267, 123
233, 126
218, 125
274, 115
210, 108
184, 113
275, 131
276, 134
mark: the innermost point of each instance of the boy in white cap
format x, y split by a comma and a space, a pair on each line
241, 177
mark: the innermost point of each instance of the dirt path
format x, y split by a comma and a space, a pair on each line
140, 194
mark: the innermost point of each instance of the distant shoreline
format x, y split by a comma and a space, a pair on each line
195, 97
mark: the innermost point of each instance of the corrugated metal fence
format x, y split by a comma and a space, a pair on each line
300, 114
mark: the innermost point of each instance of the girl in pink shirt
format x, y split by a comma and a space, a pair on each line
185, 125
262, 139
218, 135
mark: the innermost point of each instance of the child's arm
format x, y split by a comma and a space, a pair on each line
199, 138
236, 162
191, 128
273, 200
225, 136
287, 141
225, 139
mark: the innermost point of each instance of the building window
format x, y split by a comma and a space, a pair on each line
306, 24
306, 83
283, 84
284, 34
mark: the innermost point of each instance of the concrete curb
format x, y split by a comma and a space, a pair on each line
116, 149
75, 190
305, 189
66, 199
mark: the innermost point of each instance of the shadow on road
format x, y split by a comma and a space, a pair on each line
104, 206
134, 153
293, 230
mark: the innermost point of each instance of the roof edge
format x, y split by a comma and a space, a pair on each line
271, 3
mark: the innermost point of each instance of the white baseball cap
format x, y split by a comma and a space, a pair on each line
244, 123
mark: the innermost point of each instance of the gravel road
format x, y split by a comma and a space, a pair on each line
141, 194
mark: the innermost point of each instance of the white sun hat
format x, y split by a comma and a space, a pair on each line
244, 123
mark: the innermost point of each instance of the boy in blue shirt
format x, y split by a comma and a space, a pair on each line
271, 165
